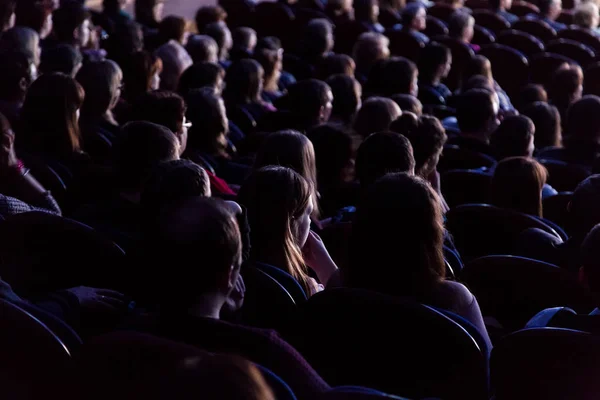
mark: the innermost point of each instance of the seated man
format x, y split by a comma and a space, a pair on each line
191, 298
501, 8
549, 12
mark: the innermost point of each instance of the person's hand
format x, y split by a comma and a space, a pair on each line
317, 257
6, 293
99, 299
235, 301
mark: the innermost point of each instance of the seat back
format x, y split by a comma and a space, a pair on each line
351, 337
521, 41
481, 229
591, 83
461, 56
404, 44
441, 11
535, 27
511, 68
582, 36
576, 51
522, 8
546, 363
563, 176
514, 289
435, 27
490, 20
482, 36
286, 280
454, 157
274, 19
543, 66
564, 317
465, 186
41, 252
565, 17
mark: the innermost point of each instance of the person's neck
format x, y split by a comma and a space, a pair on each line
271, 86
208, 305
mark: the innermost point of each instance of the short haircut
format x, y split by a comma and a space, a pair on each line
62, 58
209, 14
202, 48
316, 33
530, 94
432, 57
474, 111
198, 76
408, 103
383, 153
458, 22
566, 81
200, 229
368, 49
161, 107
22, 39
335, 64
32, 14
376, 114
67, 18
172, 28
547, 121
242, 36
512, 137
141, 147
308, 96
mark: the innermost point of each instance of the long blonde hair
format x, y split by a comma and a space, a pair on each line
274, 197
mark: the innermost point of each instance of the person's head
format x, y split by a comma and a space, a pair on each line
550, 9
586, 16
7, 14
530, 94
15, 76
567, 86
546, 119
414, 16
583, 119
141, 74
36, 15
50, 115
500, 5
127, 38
334, 155
175, 60
102, 83
477, 113
141, 147
72, 24
172, 28
26, 41
201, 75
335, 64
222, 35
196, 228
272, 63
311, 100
202, 48
397, 238
63, 58
517, 185
383, 153
244, 42
244, 82
589, 274
279, 205
375, 115
435, 63
393, 76
427, 137
513, 138
461, 26
172, 181
584, 212
370, 48
478, 65
318, 37
408, 103
347, 93
206, 112
207, 15
366, 10
149, 12
164, 108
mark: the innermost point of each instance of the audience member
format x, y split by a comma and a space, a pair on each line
414, 21
243, 88
36, 15
434, 66
16, 74
335, 64
347, 93
366, 13
7, 14
207, 15
546, 119
565, 89
477, 115
390, 12
175, 60
202, 75
408, 103
202, 48
514, 137
586, 17
222, 35
530, 94
501, 8
244, 41
63, 58
272, 63
549, 12
72, 25
370, 48
461, 27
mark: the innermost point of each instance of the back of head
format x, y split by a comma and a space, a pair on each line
408, 103
427, 137
478, 65
375, 115
66, 20
141, 147
175, 60
161, 107
544, 6
383, 153
62, 58
24, 40
243, 82
513, 138
173, 181
101, 80
346, 96
200, 229
335, 64
308, 98
586, 15
584, 211
172, 28
590, 259
517, 185
200, 75
244, 42
220, 33
476, 111
397, 237
34, 14
368, 49
289, 149
530, 94
49, 115
209, 14
583, 119
393, 76
409, 12
318, 36
546, 120
206, 112
458, 23
566, 86
433, 56
333, 154
202, 48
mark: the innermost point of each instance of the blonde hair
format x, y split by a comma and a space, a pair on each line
584, 15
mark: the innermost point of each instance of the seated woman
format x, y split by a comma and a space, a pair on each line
396, 247
272, 64
546, 119
414, 21
434, 65
279, 205
347, 93
102, 82
517, 185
